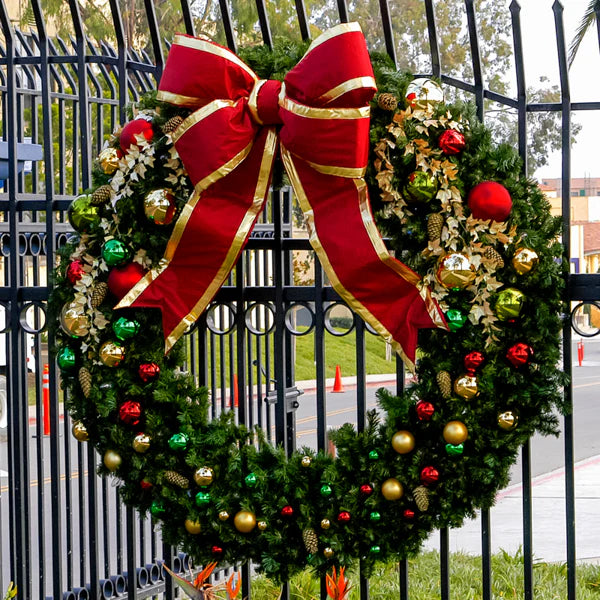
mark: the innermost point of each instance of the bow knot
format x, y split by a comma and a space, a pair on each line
264, 101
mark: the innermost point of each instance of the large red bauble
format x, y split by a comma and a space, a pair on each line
344, 517
366, 489
490, 200
139, 126
287, 511
424, 410
451, 141
473, 361
122, 279
130, 412
520, 354
75, 271
429, 475
148, 371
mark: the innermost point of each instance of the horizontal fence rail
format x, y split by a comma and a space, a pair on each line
64, 531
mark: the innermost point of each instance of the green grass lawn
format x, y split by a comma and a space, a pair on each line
549, 580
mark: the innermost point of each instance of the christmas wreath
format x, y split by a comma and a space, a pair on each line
457, 210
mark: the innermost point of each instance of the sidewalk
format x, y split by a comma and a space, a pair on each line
548, 518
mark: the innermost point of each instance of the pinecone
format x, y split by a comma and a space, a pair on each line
85, 381
435, 223
445, 383
177, 479
387, 101
172, 124
101, 195
421, 496
493, 255
98, 294
311, 541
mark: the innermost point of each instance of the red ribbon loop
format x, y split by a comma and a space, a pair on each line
228, 146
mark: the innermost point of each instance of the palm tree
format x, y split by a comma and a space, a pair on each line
589, 16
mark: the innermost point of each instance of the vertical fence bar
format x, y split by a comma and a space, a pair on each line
486, 555
388, 31
434, 50
121, 57
159, 59
343, 11
444, 564
567, 358
188, 22
302, 20
263, 19
475, 56
227, 25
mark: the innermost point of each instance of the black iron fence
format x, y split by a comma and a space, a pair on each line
64, 531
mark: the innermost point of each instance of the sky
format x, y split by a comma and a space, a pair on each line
541, 60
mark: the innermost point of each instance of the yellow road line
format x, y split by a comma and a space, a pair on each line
34, 482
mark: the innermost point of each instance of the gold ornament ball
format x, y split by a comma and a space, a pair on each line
403, 442
508, 420
244, 521
223, 515
111, 354
112, 460
455, 271
109, 160
328, 552
306, 461
79, 431
193, 527
424, 93
204, 476
525, 260
159, 206
466, 386
141, 443
325, 523
262, 525
455, 432
392, 489
73, 320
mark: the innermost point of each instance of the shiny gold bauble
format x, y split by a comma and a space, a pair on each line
262, 525
112, 460
306, 461
223, 515
193, 527
403, 442
455, 432
455, 271
509, 304
525, 260
73, 320
159, 206
141, 443
466, 386
204, 476
111, 354
328, 552
325, 523
392, 489
244, 521
108, 160
508, 420
79, 431
424, 93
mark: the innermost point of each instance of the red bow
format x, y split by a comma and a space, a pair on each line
228, 145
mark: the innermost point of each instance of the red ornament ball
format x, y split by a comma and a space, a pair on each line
287, 511
139, 126
429, 475
75, 271
216, 551
452, 141
148, 371
490, 200
520, 354
130, 412
366, 489
473, 361
424, 410
146, 485
408, 514
122, 279
344, 517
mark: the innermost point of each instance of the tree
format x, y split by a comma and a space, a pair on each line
588, 19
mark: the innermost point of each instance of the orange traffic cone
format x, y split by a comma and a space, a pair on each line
337, 384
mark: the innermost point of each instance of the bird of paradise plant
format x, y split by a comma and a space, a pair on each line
338, 587
201, 589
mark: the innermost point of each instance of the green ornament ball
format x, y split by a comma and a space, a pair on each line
125, 328
509, 304
375, 516
82, 214
157, 508
66, 359
115, 252
250, 480
373, 455
326, 490
454, 449
202, 498
456, 319
178, 441
375, 549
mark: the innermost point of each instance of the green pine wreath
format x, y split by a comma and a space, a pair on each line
430, 457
